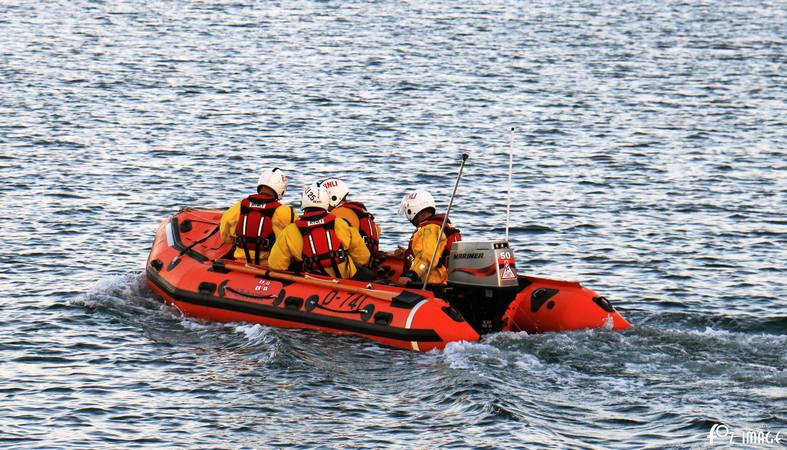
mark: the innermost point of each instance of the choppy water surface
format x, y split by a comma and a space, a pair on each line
650, 164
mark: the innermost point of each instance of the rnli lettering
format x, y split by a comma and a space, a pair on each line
468, 256
330, 184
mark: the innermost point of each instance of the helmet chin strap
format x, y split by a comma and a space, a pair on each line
414, 220
445, 219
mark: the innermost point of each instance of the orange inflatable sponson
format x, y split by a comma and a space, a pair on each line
190, 274
552, 305
187, 268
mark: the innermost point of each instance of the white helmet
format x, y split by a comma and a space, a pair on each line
314, 196
414, 203
274, 179
337, 191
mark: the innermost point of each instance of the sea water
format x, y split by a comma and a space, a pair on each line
649, 163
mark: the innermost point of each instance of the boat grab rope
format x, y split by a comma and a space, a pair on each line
206, 221
316, 305
187, 249
352, 311
242, 294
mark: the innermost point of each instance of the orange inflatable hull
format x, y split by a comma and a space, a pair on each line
199, 283
552, 305
545, 305
187, 269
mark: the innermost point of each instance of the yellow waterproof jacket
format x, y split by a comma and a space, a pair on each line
289, 248
420, 251
283, 216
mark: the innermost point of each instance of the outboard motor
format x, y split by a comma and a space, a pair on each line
483, 280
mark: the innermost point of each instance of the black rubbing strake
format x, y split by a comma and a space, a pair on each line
378, 329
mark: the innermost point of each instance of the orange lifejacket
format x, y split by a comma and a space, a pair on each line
452, 235
367, 227
321, 246
255, 225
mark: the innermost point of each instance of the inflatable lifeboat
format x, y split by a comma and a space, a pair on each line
188, 269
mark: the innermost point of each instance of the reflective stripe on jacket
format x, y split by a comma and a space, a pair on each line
289, 248
283, 216
254, 232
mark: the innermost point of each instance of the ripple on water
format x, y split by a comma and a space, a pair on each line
648, 163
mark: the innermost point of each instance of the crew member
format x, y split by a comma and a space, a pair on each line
254, 223
419, 208
319, 242
355, 213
